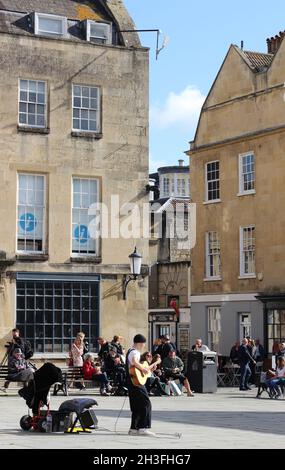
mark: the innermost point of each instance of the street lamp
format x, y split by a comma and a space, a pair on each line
135, 268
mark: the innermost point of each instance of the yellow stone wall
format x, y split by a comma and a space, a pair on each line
119, 160
243, 112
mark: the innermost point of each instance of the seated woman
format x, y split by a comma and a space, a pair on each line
278, 378
153, 382
173, 367
158, 372
91, 372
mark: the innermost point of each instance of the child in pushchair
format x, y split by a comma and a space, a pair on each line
36, 394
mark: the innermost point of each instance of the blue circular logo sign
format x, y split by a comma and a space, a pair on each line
81, 234
28, 222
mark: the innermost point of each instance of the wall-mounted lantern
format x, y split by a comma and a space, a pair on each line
135, 268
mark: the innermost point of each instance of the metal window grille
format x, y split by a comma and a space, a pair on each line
50, 314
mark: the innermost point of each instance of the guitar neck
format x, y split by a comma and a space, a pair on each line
154, 364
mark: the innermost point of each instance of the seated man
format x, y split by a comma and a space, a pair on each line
18, 368
173, 367
18, 343
116, 346
234, 354
199, 346
90, 372
115, 369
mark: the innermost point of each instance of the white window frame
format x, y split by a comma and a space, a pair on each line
32, 252
243, 274
99, 120
244, 324
242, 191
75, 254
165, 191
173, 184
207, 200
207, 253
214, 309
180, 187
63, 19
20, 124
90, 23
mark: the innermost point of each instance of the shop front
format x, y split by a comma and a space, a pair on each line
177, 327
274, 319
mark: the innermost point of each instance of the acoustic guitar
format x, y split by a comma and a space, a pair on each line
137, 376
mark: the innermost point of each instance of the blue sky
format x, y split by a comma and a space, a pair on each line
200, 35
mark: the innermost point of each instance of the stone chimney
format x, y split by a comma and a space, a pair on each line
181, 162
273, 43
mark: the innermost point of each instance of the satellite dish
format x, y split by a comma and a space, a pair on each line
164, 44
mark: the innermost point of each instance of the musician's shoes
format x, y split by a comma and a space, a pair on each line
133, 432
191, 394
146, 432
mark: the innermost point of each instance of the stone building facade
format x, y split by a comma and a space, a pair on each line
237, 175
170, 256
73, 132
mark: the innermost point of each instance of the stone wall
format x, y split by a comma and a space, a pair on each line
244, 112
119, 159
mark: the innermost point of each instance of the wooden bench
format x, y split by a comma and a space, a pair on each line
72, 375
3, 378
3, 373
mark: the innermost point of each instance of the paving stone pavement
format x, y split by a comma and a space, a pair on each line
227, 419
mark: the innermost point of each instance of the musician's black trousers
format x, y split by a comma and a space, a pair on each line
140, 407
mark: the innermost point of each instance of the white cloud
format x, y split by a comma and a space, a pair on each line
180, 109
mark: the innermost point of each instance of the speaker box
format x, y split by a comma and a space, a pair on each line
89, 419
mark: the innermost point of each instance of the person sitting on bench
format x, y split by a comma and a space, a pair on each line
18, 368
278, 378
91, 372
115, 369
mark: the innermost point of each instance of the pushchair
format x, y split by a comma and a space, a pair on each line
117, 377
70, 412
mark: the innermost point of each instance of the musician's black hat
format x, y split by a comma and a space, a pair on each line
139, 339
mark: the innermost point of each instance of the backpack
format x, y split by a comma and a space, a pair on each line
28, 352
